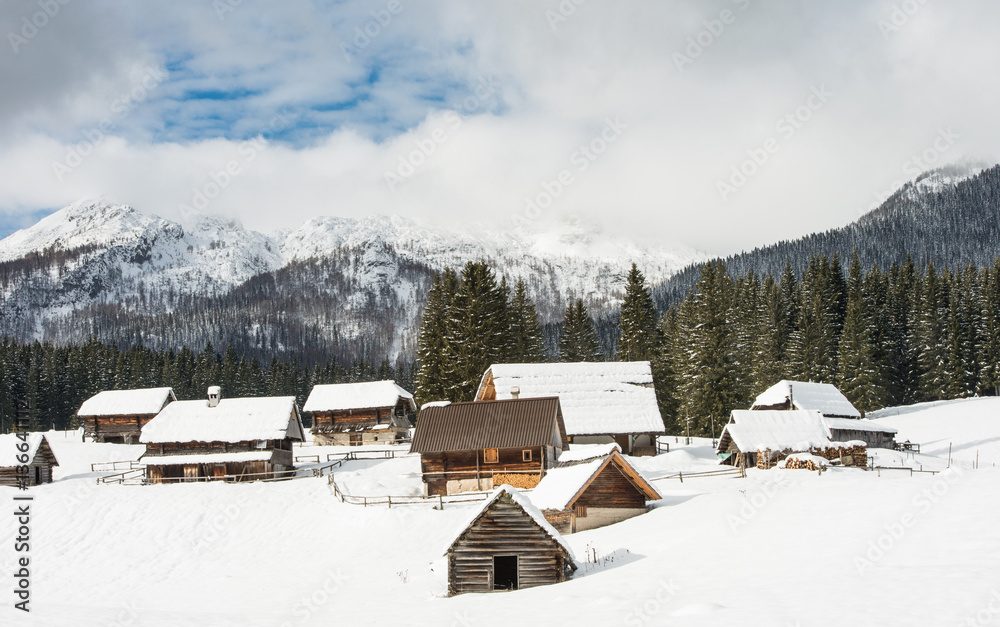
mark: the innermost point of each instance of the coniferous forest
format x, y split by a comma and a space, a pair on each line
884, 337
48, 383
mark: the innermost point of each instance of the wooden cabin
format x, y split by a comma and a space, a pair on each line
602, 402
467, 447
352, 414
585, 495
760, 438
236, 439
40, 460
118, 416
843, 420
507, 545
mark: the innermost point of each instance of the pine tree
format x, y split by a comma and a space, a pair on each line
712, 388
476, 330
666, 373
431, 356
856, 373
577, 338
770, 363
526, 345
639, 339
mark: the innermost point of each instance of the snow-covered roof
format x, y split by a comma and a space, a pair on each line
797, 430
342, 396
9, 451
560, 486
522, 502
856, 424
596, 397
127, 402
822, 397
233, 420
211, 458
583, 452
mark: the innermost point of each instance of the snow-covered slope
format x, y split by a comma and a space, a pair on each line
99, 254
970, 427
777, 548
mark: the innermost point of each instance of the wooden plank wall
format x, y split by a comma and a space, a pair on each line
612, 488
504, 530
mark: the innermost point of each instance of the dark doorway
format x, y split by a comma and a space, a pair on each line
505, 572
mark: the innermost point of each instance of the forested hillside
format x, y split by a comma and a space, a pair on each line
930, 219
885, 337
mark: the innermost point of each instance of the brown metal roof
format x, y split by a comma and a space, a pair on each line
489, 424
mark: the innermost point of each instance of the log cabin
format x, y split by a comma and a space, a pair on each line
233, 439
577, 496
353, 414
118, 416
467, 447
844, 421
507, 545
770, 435
40, 460
602, 402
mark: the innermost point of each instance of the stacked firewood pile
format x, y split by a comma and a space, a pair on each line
797, 463
516, 480
851, 455
766, 459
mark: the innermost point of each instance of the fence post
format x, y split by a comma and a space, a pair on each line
440, 503
681, 475
390, 502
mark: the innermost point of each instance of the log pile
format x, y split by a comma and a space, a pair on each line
520, 480
796, 463
765, 460
851, 455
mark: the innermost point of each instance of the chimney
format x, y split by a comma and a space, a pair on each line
214, 396
515, 391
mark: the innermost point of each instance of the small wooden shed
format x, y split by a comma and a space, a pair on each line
507, 545
40, 460
118, 416
353, 414
591, 494
759, 438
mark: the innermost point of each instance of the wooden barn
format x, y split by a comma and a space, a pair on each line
507, 545
40, 460
773, 434
235, 438
352, 414
119, 415
578, 496
601, 402
466, 447
844, 421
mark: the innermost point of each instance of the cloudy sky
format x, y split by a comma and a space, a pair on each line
718, 124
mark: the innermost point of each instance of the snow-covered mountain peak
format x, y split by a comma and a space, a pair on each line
934, 180
83, 223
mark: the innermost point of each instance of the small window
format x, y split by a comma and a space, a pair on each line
526, 455
491, 456
580, 511
261, 444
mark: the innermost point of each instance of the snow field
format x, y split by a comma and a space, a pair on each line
777, 548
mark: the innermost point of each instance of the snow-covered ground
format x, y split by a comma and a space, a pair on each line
777, 548
970, 426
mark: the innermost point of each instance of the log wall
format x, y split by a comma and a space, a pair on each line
453, 466
504, 530
122, 429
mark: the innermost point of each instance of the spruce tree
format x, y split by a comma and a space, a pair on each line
639, 339
476, 330
577, 338
526, 344
431, 347
855, 373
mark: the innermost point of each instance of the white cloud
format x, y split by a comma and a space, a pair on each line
685, 130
